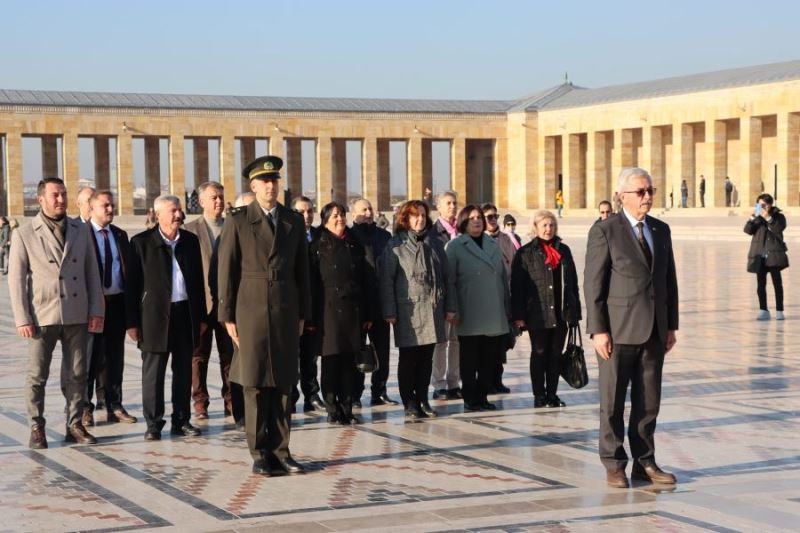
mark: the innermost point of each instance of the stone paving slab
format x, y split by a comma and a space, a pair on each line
728, 429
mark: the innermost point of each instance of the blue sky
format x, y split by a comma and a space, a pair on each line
410, 49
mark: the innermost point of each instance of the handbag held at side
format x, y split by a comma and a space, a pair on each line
573, 362
367, 358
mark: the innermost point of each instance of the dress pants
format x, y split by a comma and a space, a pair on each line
547, 346
309, 348
73, 369
477, 364
761, 287
154, 369
641, 366
379, 337
446, 360
107, 361
267, 421
414, 373
200, 359
338, 374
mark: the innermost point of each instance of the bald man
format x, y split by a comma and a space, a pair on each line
84, 206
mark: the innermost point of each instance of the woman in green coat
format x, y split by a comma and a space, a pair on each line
475, 264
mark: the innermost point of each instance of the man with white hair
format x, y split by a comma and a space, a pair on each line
631, 292
84, 206
165, 310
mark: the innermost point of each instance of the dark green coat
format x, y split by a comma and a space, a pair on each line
263, 287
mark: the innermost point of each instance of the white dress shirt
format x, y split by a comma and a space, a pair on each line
116, 261
648, 236
179, 293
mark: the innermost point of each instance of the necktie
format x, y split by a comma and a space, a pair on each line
648, 255
107, 259
271, 221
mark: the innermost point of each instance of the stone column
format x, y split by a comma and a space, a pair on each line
125, 174
653, 159
369, 170
71, 168
276, 145
200, 159
324, 171
501, 172
294, 162
382, 182
749, 185
102, 168
623, 151
227, 165
717, 158
15, 192
339, 164
595, 168
458, 168
575, 171
414, 174
247, 153
49, 156
3, 192
177, 170
788, 159
427, 164
152, 171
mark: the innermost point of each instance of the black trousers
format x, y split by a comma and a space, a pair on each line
641, 366
309, 348
338, 374
546, 348
107, 360
154, 369
200, 359
267, 421
477, 360
414, 368
379, 337
761, 287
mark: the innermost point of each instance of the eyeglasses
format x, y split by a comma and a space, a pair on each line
605, 212
491, 217
641, 192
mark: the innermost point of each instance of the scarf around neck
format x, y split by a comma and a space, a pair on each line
551, 256
450, 228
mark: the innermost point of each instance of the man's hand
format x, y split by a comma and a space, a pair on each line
302, 327
203, 328
672, 338
233, 332
603, 345
519, 323
451, 317
28, 331
134, 334
391, 320
96, 324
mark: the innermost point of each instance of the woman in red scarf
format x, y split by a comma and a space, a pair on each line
544, 299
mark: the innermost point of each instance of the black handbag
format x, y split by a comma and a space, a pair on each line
367, 359
573, 362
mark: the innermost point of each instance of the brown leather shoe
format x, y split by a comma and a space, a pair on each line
651, 472
121, 415
617, 478
78, 434
87, 419
38, 438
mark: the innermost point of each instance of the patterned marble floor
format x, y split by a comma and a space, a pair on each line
728, 429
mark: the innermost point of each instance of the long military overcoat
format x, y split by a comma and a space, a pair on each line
263, 288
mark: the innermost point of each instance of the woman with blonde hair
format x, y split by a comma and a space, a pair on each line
544, 299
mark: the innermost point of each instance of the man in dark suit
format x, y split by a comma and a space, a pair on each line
309, 340
264, 299
107, 360
166, 313
374, 240
208, 228
632, 314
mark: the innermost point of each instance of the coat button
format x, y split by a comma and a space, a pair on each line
551, 307
74, 260
74, 278
551, 286
61, 277
62, 295
74, 294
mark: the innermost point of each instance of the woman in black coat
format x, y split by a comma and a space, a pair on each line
767, 253
342, 278
544, 299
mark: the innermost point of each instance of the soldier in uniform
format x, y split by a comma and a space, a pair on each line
264, 299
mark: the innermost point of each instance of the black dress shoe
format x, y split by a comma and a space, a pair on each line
440, 394
472, 407
287, 466
334, 418
314, 403
383, 399
502, 389
414, 413
152, 434
555, 401
185, 429
488, 406
539, 401
426, 408
357, 404
261, 467
350, 420
454, 394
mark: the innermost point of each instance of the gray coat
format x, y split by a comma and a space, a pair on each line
481, 284
418, 297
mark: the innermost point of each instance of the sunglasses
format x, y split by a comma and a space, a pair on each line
641, 192
491, 217
605, 212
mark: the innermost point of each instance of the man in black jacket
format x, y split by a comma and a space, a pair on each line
374, 240
166, 313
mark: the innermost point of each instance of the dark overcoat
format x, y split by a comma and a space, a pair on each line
342, 280
148, 286
533, 295
262, 286
767, 247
